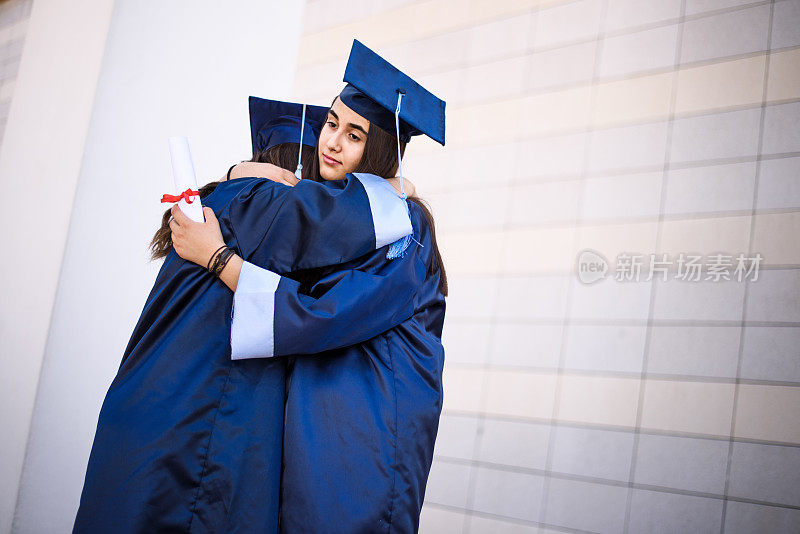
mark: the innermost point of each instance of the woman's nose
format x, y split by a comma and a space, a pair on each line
333, 143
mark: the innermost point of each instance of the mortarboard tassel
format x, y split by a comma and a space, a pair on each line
398, 248
299, 171
399, 156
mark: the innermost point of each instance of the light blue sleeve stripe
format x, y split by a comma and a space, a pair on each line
389, 212
253, 314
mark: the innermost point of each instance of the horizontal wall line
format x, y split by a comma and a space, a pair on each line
600, 373
613, 428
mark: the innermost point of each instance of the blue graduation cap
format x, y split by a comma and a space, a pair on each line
273, 122
378, 91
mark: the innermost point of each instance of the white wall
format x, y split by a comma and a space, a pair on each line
170, 68
621, 126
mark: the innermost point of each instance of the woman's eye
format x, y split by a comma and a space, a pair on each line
354, 137
331, 124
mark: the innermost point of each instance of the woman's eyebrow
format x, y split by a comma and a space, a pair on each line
357, 127
350, 124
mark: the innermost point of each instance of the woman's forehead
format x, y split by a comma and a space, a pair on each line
346, 114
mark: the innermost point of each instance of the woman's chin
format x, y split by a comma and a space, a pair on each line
328, 174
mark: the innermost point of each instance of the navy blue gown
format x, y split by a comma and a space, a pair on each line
188, 438
364, 388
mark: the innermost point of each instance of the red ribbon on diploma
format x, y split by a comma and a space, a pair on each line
186, 195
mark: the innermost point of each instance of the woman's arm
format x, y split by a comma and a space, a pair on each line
279, 174
196, 242
360, 300
313, 224
254, 169
272, 317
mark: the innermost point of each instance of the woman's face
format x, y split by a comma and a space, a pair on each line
341, 142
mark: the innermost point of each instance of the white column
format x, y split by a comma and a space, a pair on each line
39, 165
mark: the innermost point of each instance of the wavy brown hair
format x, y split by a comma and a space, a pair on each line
283, 155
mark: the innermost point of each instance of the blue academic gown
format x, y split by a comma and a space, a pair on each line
188, 438
364, 388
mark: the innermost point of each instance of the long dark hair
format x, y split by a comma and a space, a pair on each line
283, 155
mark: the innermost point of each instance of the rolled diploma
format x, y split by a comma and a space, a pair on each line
184, 178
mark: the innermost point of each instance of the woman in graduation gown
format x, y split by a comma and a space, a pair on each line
362, 340
189, 440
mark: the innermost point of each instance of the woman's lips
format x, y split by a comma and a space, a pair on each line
330, 161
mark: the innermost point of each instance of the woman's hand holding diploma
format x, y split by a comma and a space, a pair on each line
196, 242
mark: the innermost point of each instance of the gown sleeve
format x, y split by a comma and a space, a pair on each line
271, 317
314, 224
